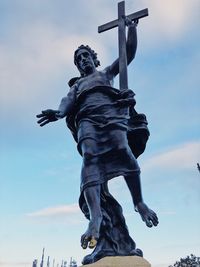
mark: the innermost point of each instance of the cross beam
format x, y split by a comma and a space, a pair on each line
120, 23
112, 24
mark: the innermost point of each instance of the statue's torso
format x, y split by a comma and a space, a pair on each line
98, 78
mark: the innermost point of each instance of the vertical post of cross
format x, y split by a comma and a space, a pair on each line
120, 23
123, 77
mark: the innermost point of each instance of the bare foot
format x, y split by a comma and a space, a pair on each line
147, 215
90, 237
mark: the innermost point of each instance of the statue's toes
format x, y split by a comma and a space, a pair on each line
88, 241
152, 220
148, 223
93, 242
84, 241
155, 221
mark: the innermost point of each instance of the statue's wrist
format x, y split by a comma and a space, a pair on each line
58, 115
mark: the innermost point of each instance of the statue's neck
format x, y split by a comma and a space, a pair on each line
89, 72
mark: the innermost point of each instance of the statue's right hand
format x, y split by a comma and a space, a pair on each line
129, 22
47, 116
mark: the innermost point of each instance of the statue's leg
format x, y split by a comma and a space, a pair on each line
90, 174
92, 197
134, 185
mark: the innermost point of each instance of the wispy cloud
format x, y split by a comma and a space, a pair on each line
39, 53
167, 20
180, 158
183, 157
56, 211
40, 48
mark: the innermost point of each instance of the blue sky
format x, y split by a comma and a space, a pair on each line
39, 179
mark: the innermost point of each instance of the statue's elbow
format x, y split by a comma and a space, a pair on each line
130, 57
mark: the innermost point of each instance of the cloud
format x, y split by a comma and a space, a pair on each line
41, 56
37, 55
37, 51
168, 21
56, 211
173, 16
183, 157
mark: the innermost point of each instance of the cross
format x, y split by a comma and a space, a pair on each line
120, 23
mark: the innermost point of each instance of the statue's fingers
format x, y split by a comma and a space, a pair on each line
40, 115
127, 20
44, 123
49, 111
42, 119
46, 112
136, 21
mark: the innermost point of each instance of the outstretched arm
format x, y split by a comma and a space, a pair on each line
131, 47
64, 109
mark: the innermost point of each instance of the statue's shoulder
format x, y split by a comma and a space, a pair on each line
105, 71
73, 81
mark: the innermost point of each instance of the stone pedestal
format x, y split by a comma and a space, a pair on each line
125, 261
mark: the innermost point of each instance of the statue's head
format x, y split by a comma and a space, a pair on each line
85, 59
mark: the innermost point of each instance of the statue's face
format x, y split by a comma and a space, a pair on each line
84, 61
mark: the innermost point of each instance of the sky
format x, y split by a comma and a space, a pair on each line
40, 167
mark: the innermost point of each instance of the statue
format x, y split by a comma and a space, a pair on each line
110, 135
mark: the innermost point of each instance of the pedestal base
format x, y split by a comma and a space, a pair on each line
125, 261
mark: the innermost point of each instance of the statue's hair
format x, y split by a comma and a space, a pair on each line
92, 52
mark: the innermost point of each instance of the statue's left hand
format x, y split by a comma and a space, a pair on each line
47, 116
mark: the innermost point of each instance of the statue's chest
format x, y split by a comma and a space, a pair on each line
93, 80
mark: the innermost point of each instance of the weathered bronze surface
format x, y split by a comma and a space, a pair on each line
110, 135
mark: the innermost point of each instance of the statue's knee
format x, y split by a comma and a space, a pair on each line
123, 150
89, 158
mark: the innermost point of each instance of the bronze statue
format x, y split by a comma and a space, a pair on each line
110, 135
